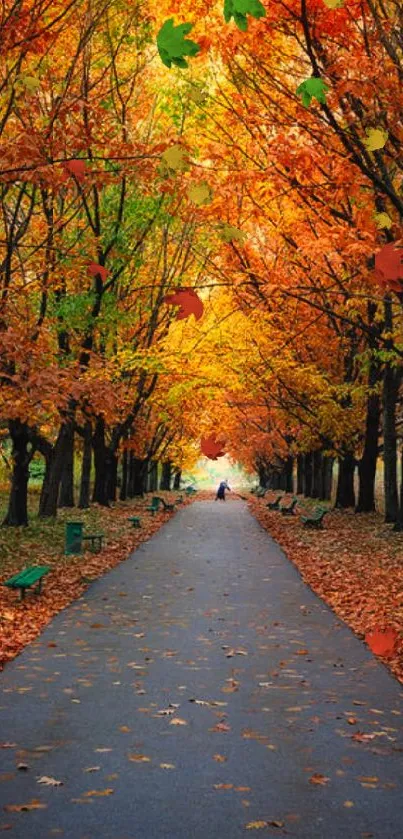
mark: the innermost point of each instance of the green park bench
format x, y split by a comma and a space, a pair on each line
190, 491
289, 511
94, 538
166, 505
26, 579
275, 505
135, 520
154, 506
316, 518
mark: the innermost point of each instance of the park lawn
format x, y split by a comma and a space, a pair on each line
42, 543
355, 564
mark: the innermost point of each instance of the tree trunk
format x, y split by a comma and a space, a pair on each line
399, 521
316, 474
153, 476
300, 474
66, 492
263, 476
308, 474
17, 513
125, 475
326, 478
53, 475
112, 461
166, 475
345, 496
137, 476
100, 493
288, 474
390, 392
177, 479
84, 500
367, 464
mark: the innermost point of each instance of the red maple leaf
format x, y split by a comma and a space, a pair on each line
382, 641
74, 167
95, 269
389, 265
189, 302
211, 448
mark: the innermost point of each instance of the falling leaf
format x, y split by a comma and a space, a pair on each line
76, 168
312, 88
239, 9
175, 158
317, 778
95, 269
188, 301
383, 220
172, 44
376, 139
200, 194
212, 449
232, 234
383, 642
98, 793
19, 808
49, 782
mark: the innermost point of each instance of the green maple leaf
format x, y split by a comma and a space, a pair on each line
239, 9
312, 88
172, 44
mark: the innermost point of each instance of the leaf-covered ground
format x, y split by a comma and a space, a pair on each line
355, 564
42, 543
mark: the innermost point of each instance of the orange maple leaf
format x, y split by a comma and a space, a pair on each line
211, 448
382, 641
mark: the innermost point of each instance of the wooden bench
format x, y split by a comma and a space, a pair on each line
154, 506
316, 519
26, 579
135, 520
166, 505
94, 537
289, 511
274, 505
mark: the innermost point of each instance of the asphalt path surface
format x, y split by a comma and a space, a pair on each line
210, 693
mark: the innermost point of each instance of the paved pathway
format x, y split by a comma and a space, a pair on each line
208, 610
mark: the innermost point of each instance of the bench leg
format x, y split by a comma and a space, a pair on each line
22, 593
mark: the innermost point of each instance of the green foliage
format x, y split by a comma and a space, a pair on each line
239, 9
172, 44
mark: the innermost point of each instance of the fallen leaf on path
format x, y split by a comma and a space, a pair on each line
139, 758
221, 726
178, 721
361, 737
317, 778
167, 765
98, 793
220, 758
223, 786
257, 825
19, 808
382, 642
92, 769
49, 782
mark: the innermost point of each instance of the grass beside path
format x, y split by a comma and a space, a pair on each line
42, 543
355, 564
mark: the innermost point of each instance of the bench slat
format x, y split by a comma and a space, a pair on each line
28, 577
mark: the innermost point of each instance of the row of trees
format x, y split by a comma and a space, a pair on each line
122, 180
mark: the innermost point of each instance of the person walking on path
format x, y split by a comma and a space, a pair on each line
221, 490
